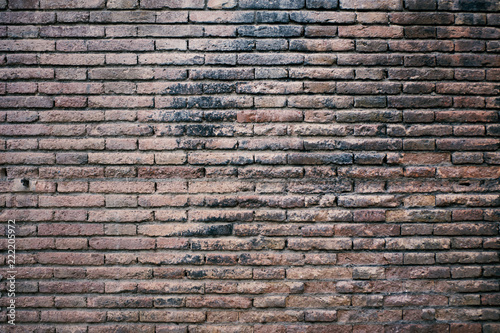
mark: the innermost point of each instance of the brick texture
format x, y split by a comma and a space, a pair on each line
251, 166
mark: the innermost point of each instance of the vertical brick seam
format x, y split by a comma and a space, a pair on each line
251, 166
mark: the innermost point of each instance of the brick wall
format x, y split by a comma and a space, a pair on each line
251, 166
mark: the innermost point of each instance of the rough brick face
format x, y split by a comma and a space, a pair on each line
251, 166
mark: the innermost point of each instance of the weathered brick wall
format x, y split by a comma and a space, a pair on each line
251, 165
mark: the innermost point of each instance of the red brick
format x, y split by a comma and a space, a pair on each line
70, 258
113, 243
71, 201
218, 302
324, 45
72, 316
467, 116
371, 31
172, 4
66, 287
61, 4
366, 4
25, 46
119, 273
61, 229
120, 129
170, 172
172, 316
119, 216
115, 102
269, 116
72, 58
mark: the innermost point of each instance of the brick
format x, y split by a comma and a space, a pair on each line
218, 302
421, 46
172, 4
70, 258
369, 60
122, 16
121, 187
158, 144
418, 158
26, 73
464, 46
121, 243
120, 102
418, 216
226, 102
322, 17
222, 74
325, 273
321, 4
71, 201
365, 4
308, 158
313, 244
23, 158
320, 302
370, 31
72, 316
71, 144
467, 200
418, 102
271, 45
321, 74
269, 116
72, 59
367, 201
170, 172
119, 216
122, 4
27, 17
120, 158
221, 17
469, 89
162, 31
420, 18
25, 46
420, 5
275, 4
121, 45
77, 4
456, 5
38, 102
30, 4
220, 158
121, 73
463, 60
474, 144
270, 59
316, 102
221, 4
269, 88
365, 89
419, 74
73, 31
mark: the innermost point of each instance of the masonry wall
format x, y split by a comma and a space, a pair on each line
251, 165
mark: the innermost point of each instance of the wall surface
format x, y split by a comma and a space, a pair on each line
253, 166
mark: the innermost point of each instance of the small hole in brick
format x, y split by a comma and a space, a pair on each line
3, 173
25, 182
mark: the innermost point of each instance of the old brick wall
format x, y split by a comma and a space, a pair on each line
251, 166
